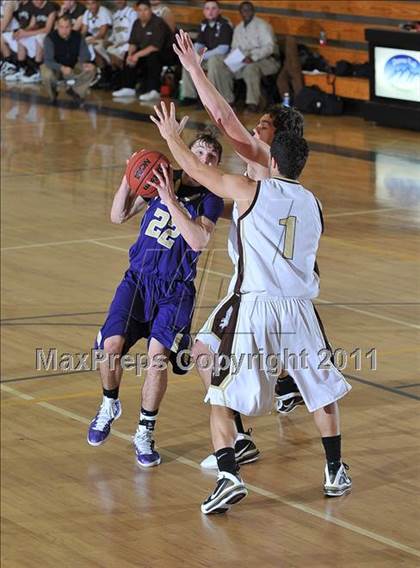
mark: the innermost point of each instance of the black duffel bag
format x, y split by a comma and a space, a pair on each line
346, 69
314, 100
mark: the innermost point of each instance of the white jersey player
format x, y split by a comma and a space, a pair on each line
268, 314
270, 297
254, 150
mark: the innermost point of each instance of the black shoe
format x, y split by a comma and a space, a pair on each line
245, 452
287, 395
245, 449
336, 480
230, 489
286, 403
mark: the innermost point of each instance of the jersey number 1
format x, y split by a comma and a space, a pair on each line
289, 236
165, 238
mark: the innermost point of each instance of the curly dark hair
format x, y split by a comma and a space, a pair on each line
286, 119
290, 153
209, 137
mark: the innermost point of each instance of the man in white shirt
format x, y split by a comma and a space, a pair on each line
255, 39
96, 24
114, 49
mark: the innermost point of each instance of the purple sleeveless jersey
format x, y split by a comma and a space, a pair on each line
157, 294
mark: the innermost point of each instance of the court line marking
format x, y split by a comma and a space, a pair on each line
395, 390
386, 388
212, 306
259, 490
59, 172
46, 376
67, 314
376, 250
224, 275
131, 235
365, 212
373, 315
75, 241
107, 245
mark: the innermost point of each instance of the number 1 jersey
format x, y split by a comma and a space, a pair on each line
160, 249
274, 249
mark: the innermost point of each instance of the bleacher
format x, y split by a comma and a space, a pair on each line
343, 21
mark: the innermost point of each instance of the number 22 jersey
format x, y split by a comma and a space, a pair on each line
160, 249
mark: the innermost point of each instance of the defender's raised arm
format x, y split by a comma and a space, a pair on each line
239, 188
249, 147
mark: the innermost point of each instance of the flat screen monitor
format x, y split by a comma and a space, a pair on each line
397, 74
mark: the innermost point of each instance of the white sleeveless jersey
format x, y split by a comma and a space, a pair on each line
233, 236
275, 245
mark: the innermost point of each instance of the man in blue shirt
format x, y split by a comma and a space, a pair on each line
155, 299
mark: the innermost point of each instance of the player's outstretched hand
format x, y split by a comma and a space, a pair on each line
165, 185
166, 121
184, 48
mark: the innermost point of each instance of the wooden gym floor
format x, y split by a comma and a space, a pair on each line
65, 503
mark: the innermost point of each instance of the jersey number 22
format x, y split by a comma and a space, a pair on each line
167, 237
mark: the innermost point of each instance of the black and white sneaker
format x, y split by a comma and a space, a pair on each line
336, 482
245, 449
245, 452
286, 403
230, 489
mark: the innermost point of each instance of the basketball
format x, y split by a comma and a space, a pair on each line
139, 171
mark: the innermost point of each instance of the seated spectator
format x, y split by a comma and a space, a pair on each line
31, 40
66, 52
150, 48
255, 39
164, 12
114, 49
8, 25
96, 25
75, 10
216, 36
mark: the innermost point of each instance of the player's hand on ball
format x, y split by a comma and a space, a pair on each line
165, 184
167, 122
184, 48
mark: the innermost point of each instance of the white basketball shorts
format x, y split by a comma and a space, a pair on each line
255, 338
30, 43
10, 41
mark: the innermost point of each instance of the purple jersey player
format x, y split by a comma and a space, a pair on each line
155, 299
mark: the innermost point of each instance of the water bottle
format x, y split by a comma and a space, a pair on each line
286, 100
322, 38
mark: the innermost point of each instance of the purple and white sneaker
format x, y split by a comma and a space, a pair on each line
100, 427
146, 455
